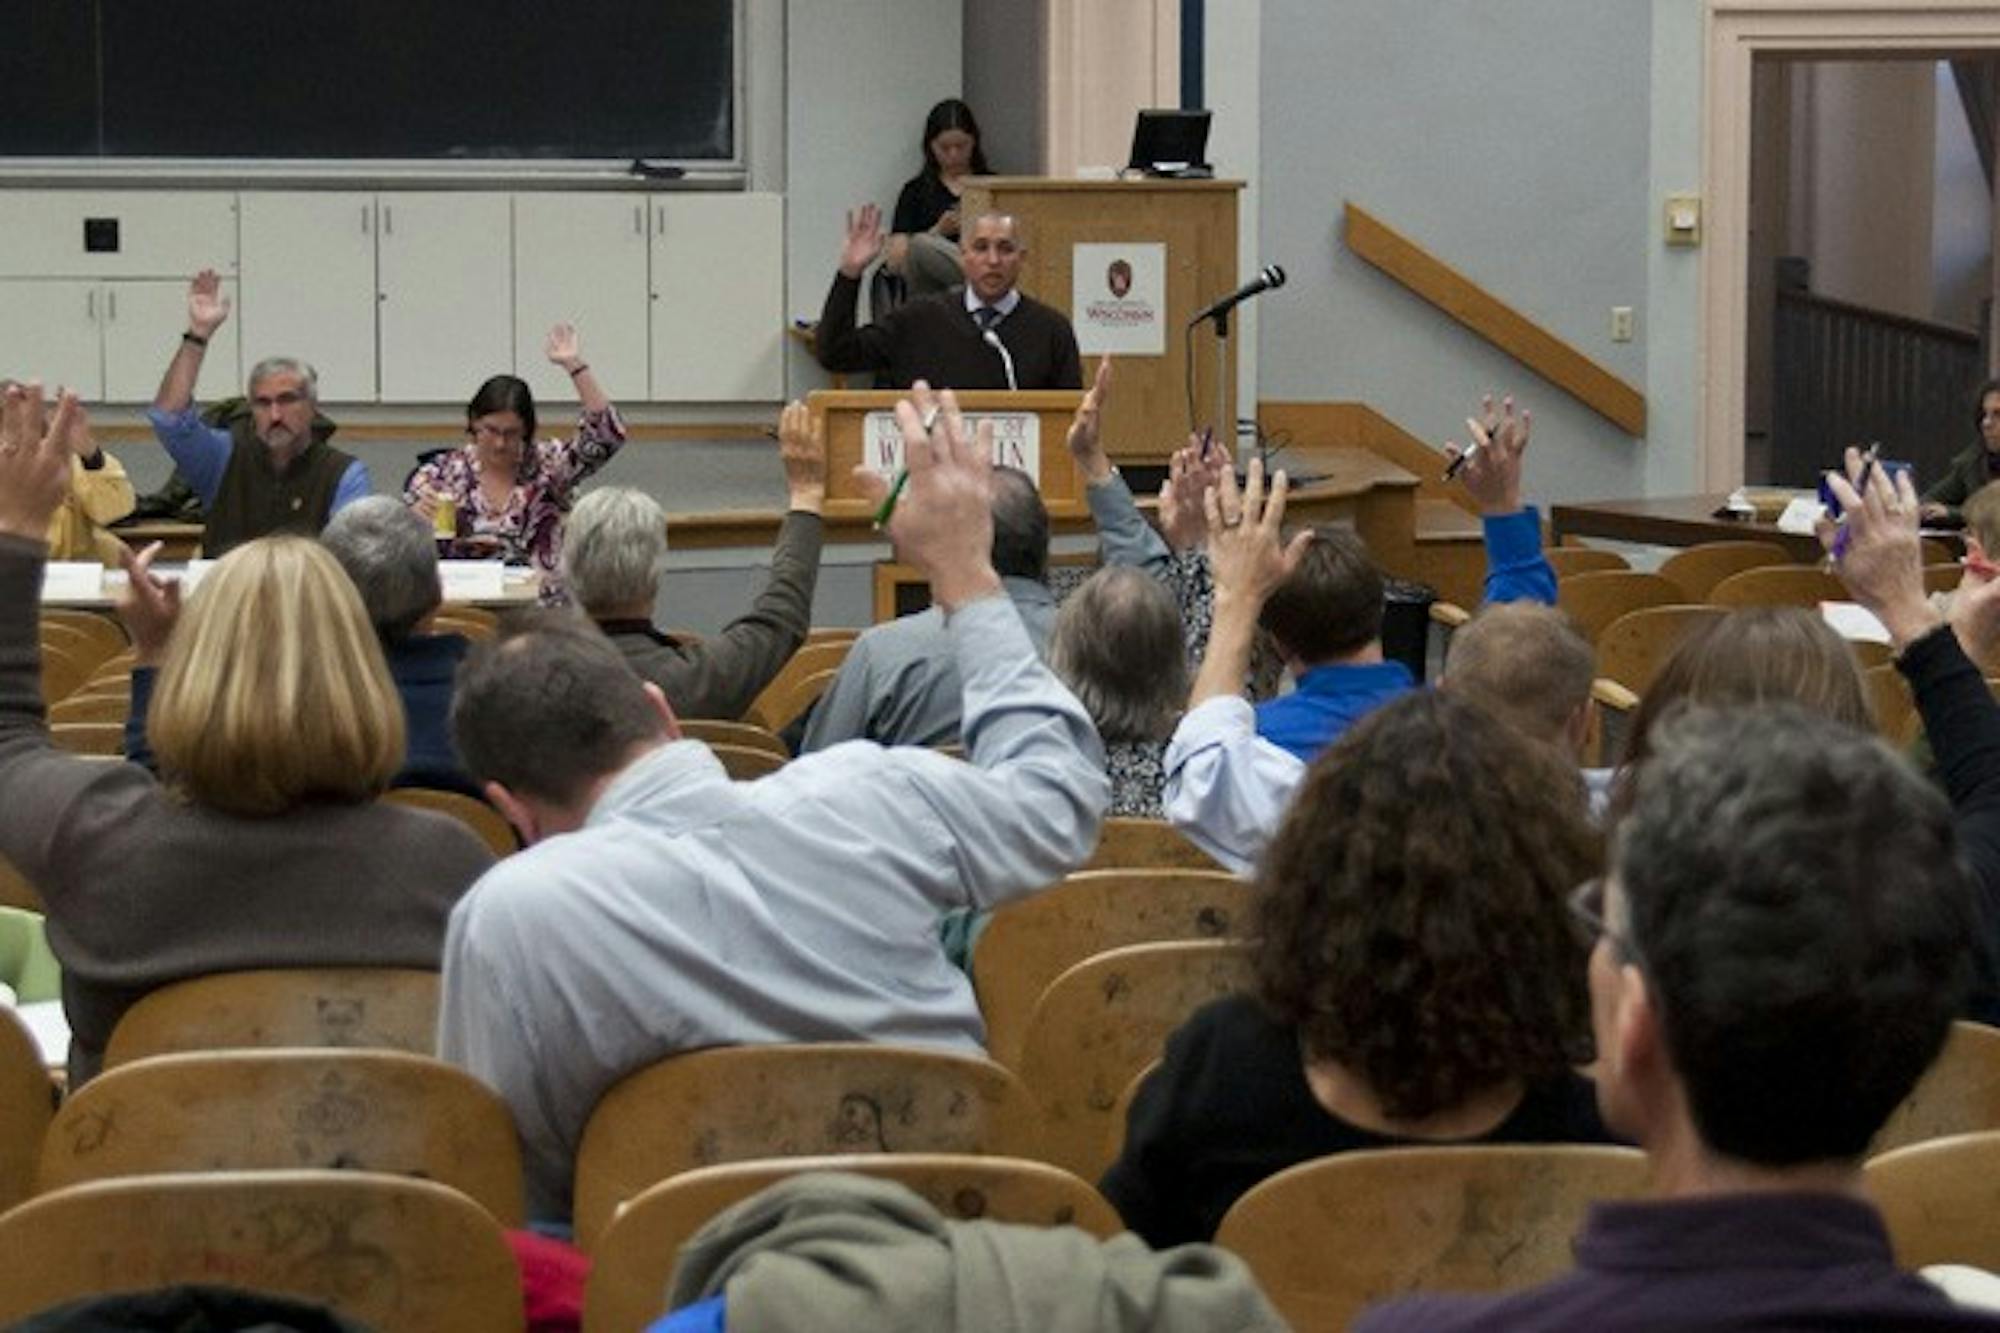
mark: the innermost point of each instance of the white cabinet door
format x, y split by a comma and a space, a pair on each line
582, 258
719, 298
143, 323
160, 233
308, 287
445, 282
49, 332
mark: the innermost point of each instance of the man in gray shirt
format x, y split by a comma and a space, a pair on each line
662, 908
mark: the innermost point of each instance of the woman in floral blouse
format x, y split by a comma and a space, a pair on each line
508, 491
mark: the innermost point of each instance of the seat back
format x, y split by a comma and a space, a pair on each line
746, 763
1029, 943
784, 700
1634, 647
489, 825
636, 1255
736, 1103
1943, 577
798, 683
1958, 1094
1890, 700
473, 622
1567, 560
27, 1101
1593, 601
386, 1111
383, 1008
391, 1253
102, 630
1940, 1200
103, 739
1779, 585
1103, 1021
1328, 1237
88, 707
1146, 844
62, 672
15, 890
747, 735
1698, 569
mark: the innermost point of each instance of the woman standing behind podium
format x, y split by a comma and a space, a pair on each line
506, 493
276, 726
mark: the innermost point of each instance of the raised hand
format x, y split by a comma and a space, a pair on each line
1875, 547
1191, 471
1084, 445
34, 459
1246, 552
561, 347
1492, 471
207, 306
864, 240
149, 606
802, 449
943, 522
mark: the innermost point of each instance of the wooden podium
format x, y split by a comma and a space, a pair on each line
1196, 222
848, 413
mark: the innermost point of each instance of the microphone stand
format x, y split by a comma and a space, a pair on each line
1224, 421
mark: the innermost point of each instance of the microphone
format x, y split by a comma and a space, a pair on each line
1266, 279
992, 339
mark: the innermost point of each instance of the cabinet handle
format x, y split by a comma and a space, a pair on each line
364, 219
638, 219
388, 220
660, 220
90, 304
111, 305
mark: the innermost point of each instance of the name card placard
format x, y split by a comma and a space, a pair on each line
472, 580
72, 581
1017, 441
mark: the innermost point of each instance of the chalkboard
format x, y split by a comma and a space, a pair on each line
478, 80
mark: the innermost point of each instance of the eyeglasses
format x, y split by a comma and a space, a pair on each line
1586, 904
267, 401
504, 435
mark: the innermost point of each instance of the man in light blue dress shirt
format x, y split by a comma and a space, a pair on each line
661, 907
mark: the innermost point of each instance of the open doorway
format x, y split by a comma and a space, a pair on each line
1869, 260
1739, 33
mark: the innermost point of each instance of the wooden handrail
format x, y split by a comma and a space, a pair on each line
1496, 321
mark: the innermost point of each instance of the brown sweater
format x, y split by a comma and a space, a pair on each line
144, 887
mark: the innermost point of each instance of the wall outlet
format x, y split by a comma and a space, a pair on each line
1621, 323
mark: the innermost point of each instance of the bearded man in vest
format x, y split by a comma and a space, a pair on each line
263, 464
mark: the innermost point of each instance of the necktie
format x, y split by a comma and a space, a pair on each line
987, 317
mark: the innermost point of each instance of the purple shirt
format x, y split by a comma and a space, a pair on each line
1737, 1261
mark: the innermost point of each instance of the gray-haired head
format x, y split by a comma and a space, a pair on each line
285, 365
1118, 644
614, 549
391, 554
1020, 526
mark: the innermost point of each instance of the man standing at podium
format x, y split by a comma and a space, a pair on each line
982, 335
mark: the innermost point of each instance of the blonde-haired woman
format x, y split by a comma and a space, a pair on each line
275, 726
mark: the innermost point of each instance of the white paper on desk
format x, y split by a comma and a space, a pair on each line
72, 581
1801, 513
1852, 620
472, 580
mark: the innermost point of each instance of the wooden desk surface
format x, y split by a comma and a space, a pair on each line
1673, 520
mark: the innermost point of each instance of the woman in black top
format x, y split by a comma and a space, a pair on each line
923, 244
1418, 979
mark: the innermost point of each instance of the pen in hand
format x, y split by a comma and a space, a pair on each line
888, 508
1479, 440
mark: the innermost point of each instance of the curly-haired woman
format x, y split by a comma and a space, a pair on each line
1418, 979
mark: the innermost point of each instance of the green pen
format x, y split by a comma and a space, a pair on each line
895, 494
